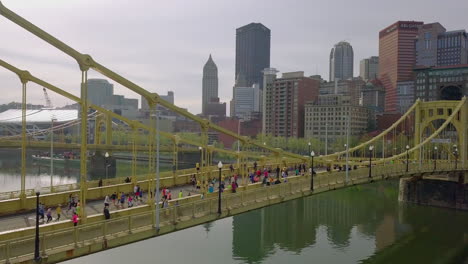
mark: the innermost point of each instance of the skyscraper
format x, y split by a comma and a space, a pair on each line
452, 48
369, 68
252, 52
341, 61
396, 58
426, 44
209, 84
100, 91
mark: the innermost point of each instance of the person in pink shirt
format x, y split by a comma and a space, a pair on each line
75, 219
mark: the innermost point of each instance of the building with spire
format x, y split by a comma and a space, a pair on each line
209, 84
341, 61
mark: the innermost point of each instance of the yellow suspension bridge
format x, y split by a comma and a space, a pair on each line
407, 148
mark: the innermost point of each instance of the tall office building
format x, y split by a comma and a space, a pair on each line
100, 92
252, 52
209, 84
452, 48
369, 68
285, 100
247, 102
396, 58
327, 119
426, 44
341, 61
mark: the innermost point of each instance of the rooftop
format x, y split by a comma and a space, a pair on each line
39, 116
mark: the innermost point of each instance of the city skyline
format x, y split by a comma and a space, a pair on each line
167, 63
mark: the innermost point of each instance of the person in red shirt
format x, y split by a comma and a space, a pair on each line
75, 219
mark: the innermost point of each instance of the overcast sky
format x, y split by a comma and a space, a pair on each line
163, 45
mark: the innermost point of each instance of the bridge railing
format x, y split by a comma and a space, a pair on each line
182, 176
81, 235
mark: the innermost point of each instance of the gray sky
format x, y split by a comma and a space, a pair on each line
163, 45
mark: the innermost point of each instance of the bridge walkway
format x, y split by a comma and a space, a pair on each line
134, 224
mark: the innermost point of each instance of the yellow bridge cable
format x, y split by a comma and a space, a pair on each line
28, 76
86, 61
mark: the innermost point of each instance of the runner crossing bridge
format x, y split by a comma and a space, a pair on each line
430, 138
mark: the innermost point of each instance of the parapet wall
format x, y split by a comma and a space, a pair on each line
434, 192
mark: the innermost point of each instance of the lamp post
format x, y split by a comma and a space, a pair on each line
52, 153
37, 256
435, 157
407, 157
347, 160
455, 153
312, 154
371, 148
220, 167
107, 162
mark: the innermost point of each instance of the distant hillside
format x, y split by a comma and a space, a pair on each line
15, 105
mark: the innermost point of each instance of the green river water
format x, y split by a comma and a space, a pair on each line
364, 224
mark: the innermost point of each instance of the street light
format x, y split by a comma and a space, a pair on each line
220, 166
455, 153
435, 157
407, 157
347, 161
107, 163
52, 153
37, 257
312, 154
371, 148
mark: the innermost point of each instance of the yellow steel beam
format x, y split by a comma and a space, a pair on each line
86, 61
25, 75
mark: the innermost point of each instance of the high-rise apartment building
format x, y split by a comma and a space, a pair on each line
341, 61
369, 68
397, 58
269, 76
209, 83
285, 100
252, 52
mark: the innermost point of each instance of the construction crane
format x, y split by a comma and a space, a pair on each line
47, 99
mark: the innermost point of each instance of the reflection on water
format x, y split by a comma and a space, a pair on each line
64, 173
359, 224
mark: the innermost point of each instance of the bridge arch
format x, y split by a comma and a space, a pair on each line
451, 93
429, 113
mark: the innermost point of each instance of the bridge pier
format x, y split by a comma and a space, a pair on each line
450, 191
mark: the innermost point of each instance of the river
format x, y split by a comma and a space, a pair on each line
363, 224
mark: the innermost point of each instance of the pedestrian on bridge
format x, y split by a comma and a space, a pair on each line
181, 194
114, 198
106, 213
49, 215
41, 211
75, 219
106, 201
58, 211
78, 209
122, 200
